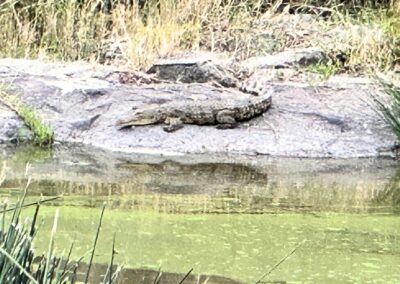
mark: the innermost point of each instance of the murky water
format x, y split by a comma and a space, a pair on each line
228, 216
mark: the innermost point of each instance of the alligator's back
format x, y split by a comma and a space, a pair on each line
204, 112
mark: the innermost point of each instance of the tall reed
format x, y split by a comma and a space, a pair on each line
149, 29
18, 261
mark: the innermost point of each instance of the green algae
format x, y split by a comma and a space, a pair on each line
338, 248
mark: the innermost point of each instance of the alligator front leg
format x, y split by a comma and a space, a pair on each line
172, 124
226, 119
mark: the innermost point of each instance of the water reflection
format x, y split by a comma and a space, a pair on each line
182, 185
204, 178
391, 194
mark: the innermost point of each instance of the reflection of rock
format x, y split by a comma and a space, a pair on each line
172, 177
391, 193
199, 183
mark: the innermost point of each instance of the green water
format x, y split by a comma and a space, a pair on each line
338, 248
232, 220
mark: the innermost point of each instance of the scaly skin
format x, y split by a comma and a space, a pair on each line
225, 113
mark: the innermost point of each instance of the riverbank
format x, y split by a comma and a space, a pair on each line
309, 117
314, 60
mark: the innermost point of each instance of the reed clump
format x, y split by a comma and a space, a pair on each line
19, 262
388, 102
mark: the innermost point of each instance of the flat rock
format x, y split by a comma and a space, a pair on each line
12, 129
81, 103
285, 59
193, 70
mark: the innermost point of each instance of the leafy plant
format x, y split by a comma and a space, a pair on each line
43, 133
326, 70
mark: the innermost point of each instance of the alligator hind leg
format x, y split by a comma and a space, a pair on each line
172, 124
226, 120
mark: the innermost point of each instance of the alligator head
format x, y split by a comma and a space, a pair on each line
145, 116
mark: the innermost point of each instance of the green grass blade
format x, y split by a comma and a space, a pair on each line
51, 247
109, 272
94, 244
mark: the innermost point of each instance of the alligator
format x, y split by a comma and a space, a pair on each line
222, 113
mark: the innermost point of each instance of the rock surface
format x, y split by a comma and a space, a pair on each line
301, 57
82, 103
12, 129
196, 70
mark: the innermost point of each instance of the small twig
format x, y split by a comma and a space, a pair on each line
31, 204
279, 263
276, 133
186, 276
158, 276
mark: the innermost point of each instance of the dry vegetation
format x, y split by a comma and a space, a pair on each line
144, 30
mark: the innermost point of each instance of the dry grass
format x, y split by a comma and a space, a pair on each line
374, 38
63, 30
